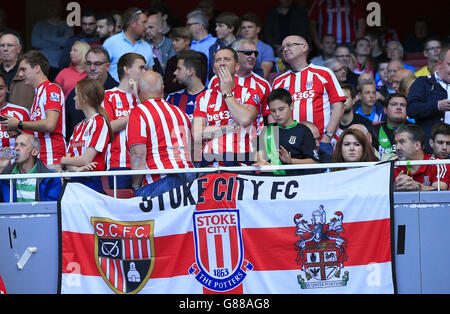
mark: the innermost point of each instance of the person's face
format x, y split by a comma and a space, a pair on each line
362, 48
395, 84
396, 110
27, 73
180, 44
405, 148
136, 69
140, 24
368, 95
75, 56
382, 70
281, 112
247, 62
181, 73
340, 71
222, 30
78, 101
119, 23
249, 30
293, 47
153, 29
225, 58
3, 91
421, 30
393, 52
96, 66
444, 68
441, 146
329, 45
9, 47
343, 55
89, 24
193, 25
352, 149
432, 50
103, 29
24, 148
392, 69
348, 104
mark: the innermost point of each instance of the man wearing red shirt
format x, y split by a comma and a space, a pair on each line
224, 116
410, 145
47, 114
158, 139
316, 92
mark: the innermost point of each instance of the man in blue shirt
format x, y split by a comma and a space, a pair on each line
129, 40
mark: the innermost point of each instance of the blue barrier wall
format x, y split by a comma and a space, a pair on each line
421, 246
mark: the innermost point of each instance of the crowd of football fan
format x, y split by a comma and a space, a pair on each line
139, 90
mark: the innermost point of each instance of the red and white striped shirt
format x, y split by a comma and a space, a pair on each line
211, 106
93, 133
49, 96
15, 111
338, 17
256, 82
118, 104
165, 130
314, 89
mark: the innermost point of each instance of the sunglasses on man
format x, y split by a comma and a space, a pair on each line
249, 52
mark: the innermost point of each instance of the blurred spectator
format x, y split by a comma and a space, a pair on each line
410, 145
148, 124
197, 22
381, 74
88, 35
394, 51
392, 68
432, 48
344, 56
364, 61
338, 69
285, 19
428, 98
208, 7
376, 49
49, 36
323, 151
118, 103
328, 47
190, 70
368, 106
324, 112
76, 71
18, 92
395, 109
399, 76
405, 85
344, 19
28, 148
97, 66
440, 140
87, 146
415, 42
353, 146
161, 45
8, 109
106, 25
250, 29
169, 21
119, 21
47, 113
224, 116
227, 27
129, 40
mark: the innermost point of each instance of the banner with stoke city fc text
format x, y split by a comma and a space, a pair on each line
228, 233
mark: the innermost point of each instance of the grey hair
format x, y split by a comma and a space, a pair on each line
199, 17
238, 43
395, 42
329, 62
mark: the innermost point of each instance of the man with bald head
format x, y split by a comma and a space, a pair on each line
399, 76
156, 123
316, 92
19, 93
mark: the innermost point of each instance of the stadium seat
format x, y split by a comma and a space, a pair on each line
121, 193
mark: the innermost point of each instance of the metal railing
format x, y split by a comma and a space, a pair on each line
114, 174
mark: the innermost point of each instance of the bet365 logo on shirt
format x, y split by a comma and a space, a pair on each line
303, 95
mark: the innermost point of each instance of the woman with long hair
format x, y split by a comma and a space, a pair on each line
76, 71
87, 146
353, 146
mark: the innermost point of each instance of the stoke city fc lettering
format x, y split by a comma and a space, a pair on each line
321, 250
220, 265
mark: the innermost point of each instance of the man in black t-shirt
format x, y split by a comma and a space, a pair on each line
286, 141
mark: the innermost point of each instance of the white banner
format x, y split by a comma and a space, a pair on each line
325, 233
